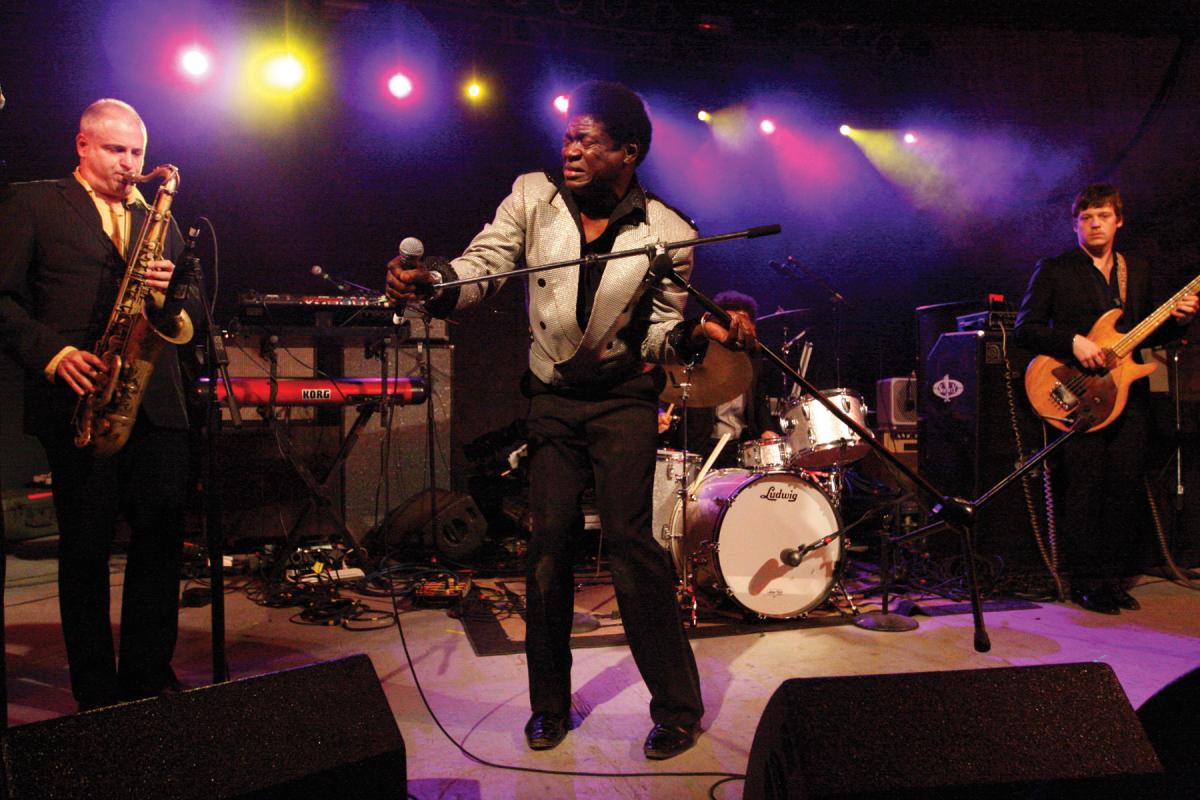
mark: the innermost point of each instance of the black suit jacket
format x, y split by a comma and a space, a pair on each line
59, 275
1064, 298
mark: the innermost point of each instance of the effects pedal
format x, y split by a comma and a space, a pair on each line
443, 590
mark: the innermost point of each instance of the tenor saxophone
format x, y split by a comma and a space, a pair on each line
141, 322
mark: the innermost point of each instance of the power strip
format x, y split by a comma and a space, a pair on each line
336, 575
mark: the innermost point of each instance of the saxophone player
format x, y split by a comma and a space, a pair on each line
63, 248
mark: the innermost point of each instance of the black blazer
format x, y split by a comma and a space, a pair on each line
1064, 298
59, 275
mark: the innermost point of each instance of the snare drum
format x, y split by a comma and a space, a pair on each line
817, 437
667, 471
738, 525
765, 455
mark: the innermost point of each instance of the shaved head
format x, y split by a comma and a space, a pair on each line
104, 110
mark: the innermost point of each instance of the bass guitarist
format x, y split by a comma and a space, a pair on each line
1100, 474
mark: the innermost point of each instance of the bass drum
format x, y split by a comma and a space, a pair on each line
738, 524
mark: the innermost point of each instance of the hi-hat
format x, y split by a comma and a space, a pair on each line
721, 376
783, 313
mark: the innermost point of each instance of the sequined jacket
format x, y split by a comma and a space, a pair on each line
632, 318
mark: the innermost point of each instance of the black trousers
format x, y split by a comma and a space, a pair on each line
146, 483
571, 440
1101, 477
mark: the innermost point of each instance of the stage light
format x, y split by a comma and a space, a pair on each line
844, 130
283, 72
194, 62
910, 138
704, 116
767, 127
562, 103
400, 86
474, 91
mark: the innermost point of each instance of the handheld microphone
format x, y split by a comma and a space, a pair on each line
411, 251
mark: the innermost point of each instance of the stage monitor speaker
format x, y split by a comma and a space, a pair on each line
1062, 731
461, 528
317, 731
1172, 721
967, 442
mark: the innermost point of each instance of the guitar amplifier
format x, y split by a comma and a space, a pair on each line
896, 404
967, 441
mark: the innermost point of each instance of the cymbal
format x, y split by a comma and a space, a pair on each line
721, 376
783, 313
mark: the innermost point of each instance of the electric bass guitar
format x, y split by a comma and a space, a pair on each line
1063, 394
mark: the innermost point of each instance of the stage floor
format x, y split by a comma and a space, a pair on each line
481, 701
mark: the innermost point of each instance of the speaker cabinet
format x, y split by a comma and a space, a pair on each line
1066, 730
318, 731
968, 439
460, 532
382, 470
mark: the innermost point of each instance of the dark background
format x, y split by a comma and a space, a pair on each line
1025, 108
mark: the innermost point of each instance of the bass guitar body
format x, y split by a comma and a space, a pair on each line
1063, 394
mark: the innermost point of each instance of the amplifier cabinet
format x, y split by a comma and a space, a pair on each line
967, 442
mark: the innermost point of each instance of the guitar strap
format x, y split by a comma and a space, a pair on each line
1122, 276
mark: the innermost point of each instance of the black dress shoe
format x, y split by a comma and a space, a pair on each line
1124, 599
1098, 600
667, 741
545, 731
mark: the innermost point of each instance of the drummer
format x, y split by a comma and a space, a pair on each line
745, 418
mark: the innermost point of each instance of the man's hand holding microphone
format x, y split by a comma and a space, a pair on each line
408, 279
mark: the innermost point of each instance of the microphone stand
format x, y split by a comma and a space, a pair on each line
216, 360
650, 251
840, 304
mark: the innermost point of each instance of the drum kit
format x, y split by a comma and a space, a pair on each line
767, 534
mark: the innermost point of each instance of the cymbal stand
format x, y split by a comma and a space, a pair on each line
686, 590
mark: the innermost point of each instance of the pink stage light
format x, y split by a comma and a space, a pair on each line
400, 86
195, 62
767, 127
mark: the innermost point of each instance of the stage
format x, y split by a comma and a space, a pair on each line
481, 701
